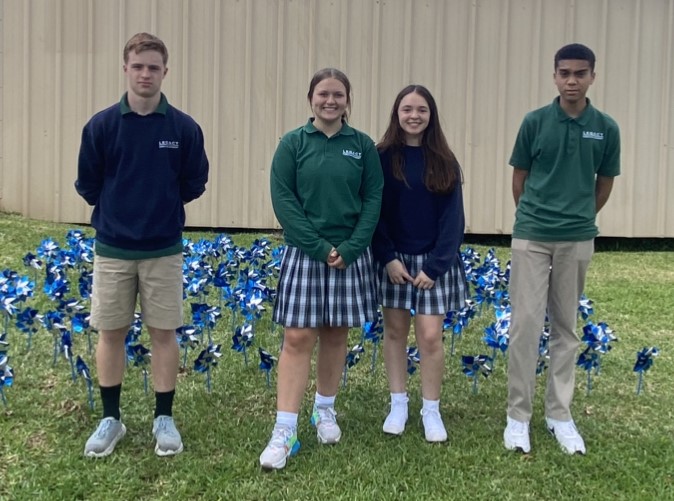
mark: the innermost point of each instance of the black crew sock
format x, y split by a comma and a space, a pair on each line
164, 403
110, 396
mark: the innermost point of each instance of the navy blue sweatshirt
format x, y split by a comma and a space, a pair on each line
415, 221
138, 171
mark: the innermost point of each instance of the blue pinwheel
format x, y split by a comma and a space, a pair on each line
83, 372
475, 366
139, 355
267, 362
413, 359
373, 332
80, 325
27, 322
186, 338
585, 308
6, 375
242, 339
352, 358
207, 359
543, 351
496, 335
598, 337
589, 360
644, 362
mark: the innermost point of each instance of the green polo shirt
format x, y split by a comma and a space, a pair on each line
326, 191
563, 156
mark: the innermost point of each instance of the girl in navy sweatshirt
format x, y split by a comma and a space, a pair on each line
416, 245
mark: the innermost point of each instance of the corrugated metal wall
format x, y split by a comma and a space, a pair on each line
242, 68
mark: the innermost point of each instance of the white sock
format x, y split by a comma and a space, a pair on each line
399, 398
286, 419
323, 401
431, 405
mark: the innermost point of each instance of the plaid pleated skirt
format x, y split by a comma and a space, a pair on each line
448, 294
312, 294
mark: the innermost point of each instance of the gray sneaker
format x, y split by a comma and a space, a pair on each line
167, 435
102, 442
325, 421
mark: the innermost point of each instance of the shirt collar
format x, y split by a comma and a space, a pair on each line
346, 129
124, 108
584, 117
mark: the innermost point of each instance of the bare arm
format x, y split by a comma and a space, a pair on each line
602, 190
519, 176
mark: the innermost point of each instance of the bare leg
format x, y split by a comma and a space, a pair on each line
111, 356
396, 330
165, 359
428, 329
293, 367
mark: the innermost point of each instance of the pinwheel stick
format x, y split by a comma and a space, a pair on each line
208, 379
374, 358
185, 357
145, 379
90, 395
589, 381
56, 350
344, 379
2, 394
73, 374
640, 382
475, 384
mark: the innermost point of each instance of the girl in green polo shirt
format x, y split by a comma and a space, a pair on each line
326, 185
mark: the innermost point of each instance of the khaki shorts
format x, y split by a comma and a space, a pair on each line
117, 283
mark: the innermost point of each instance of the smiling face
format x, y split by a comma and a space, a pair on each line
329, 102
414, 115
145, 72
573, 78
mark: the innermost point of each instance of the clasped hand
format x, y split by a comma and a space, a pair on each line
397, 274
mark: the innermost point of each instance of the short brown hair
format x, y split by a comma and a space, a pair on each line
141, 42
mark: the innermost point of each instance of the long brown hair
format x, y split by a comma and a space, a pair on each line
441, 169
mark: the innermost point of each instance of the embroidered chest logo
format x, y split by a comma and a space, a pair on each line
352, 154
593, 135
174, 145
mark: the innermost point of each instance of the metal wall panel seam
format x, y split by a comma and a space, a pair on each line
58, 110
214, 145
247, 123
470, 95
501, 125
665, 126
25, 168
632, 112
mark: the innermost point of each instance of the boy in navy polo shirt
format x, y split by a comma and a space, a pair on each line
565, 158
140, 161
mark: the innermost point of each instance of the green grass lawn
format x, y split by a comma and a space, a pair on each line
630, 438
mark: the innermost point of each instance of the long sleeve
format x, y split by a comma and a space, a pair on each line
371, 195
287, 207
194, 174
451, 226
90, 166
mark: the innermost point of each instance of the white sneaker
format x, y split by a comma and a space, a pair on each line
396, 419
325, 421
516, 436
282, 445
567, 435
434, 429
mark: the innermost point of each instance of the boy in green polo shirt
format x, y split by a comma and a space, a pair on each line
565, 158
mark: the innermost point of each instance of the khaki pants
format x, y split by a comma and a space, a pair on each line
552, 275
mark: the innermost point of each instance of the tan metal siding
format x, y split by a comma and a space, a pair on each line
241, 68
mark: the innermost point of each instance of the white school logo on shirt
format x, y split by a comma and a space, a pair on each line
593, 135
352, 154
174, 145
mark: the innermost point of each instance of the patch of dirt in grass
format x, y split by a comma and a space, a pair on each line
37, 441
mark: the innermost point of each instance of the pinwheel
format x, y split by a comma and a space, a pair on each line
206, 360
267, 362
352, 358
80, 325
186, 338
643, 363
585, 307
139, 355
242, 339
588, 360
83, 372
599, 338
6, 376
373, 332
413, 359
474, 366
66, 348
543, 351
26, 322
